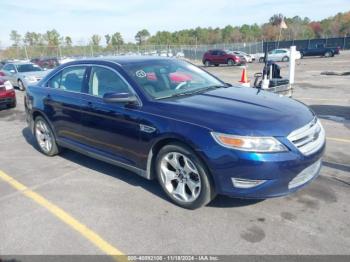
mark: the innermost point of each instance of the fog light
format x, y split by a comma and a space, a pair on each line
246, 183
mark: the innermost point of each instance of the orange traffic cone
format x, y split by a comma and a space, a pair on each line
244, 79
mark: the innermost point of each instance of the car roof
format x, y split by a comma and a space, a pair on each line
20, 63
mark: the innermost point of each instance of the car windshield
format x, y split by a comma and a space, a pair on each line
169, 78
28, 68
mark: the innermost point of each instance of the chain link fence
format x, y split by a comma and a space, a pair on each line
191, 52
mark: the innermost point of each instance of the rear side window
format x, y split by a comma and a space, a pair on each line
70, 79
104, 80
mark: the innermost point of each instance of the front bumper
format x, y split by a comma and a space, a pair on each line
281, 173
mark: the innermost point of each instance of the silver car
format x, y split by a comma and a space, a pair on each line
22, 74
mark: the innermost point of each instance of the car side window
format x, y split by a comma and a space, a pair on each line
55, 81
103, 80
70, 79
9, 67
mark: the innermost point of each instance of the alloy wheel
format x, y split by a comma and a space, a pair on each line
180, 177
20, 85
43, 136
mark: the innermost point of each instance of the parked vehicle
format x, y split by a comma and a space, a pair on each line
199, 137
46, 62
7, 93
219, 57
278, 55
247, 57
320, 50
22, 74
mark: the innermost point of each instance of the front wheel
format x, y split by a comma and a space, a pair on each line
183, 176
45, 137
21, 85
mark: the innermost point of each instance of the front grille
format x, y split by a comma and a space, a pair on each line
306, 175
309, 138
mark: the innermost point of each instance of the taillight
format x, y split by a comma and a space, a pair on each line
2, 74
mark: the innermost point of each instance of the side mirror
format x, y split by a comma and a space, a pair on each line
122, 98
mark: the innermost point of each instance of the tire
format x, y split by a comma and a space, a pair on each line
328, 54
230, 62
261, 60
301, 55
207, 63
43, 133
285, 59
181, 175
216, 64
20, 85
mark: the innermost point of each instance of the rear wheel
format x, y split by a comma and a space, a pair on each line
230, 62
285, 59
216, 64
328, 54
183, 176
21, 85
45, 137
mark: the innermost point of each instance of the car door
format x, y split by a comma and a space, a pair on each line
222, 57
215, 57
110, 128
63, 102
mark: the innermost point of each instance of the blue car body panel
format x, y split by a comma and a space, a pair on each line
113, 131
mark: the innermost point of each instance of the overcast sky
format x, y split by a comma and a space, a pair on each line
82, 18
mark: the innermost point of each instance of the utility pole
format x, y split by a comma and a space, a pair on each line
25, 51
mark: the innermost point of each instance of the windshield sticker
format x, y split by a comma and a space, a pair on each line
141, 74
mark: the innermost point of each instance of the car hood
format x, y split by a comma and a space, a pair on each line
39, 74
238, 110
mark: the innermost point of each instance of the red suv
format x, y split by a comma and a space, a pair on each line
218, 57
7, 93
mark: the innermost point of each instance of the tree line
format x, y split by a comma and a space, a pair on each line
298, 28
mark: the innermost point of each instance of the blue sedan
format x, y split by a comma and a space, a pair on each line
170, 120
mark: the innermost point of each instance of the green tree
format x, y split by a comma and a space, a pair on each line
52, 37
95, 40
117, 40
15, 37
68, 41
142, 36
108, 39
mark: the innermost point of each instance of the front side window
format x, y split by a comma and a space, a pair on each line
21, 68
70, 79
104, 80
167, 78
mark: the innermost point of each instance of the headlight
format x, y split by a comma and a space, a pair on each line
249, 143
8, 85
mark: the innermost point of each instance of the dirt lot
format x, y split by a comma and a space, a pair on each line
119, 211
